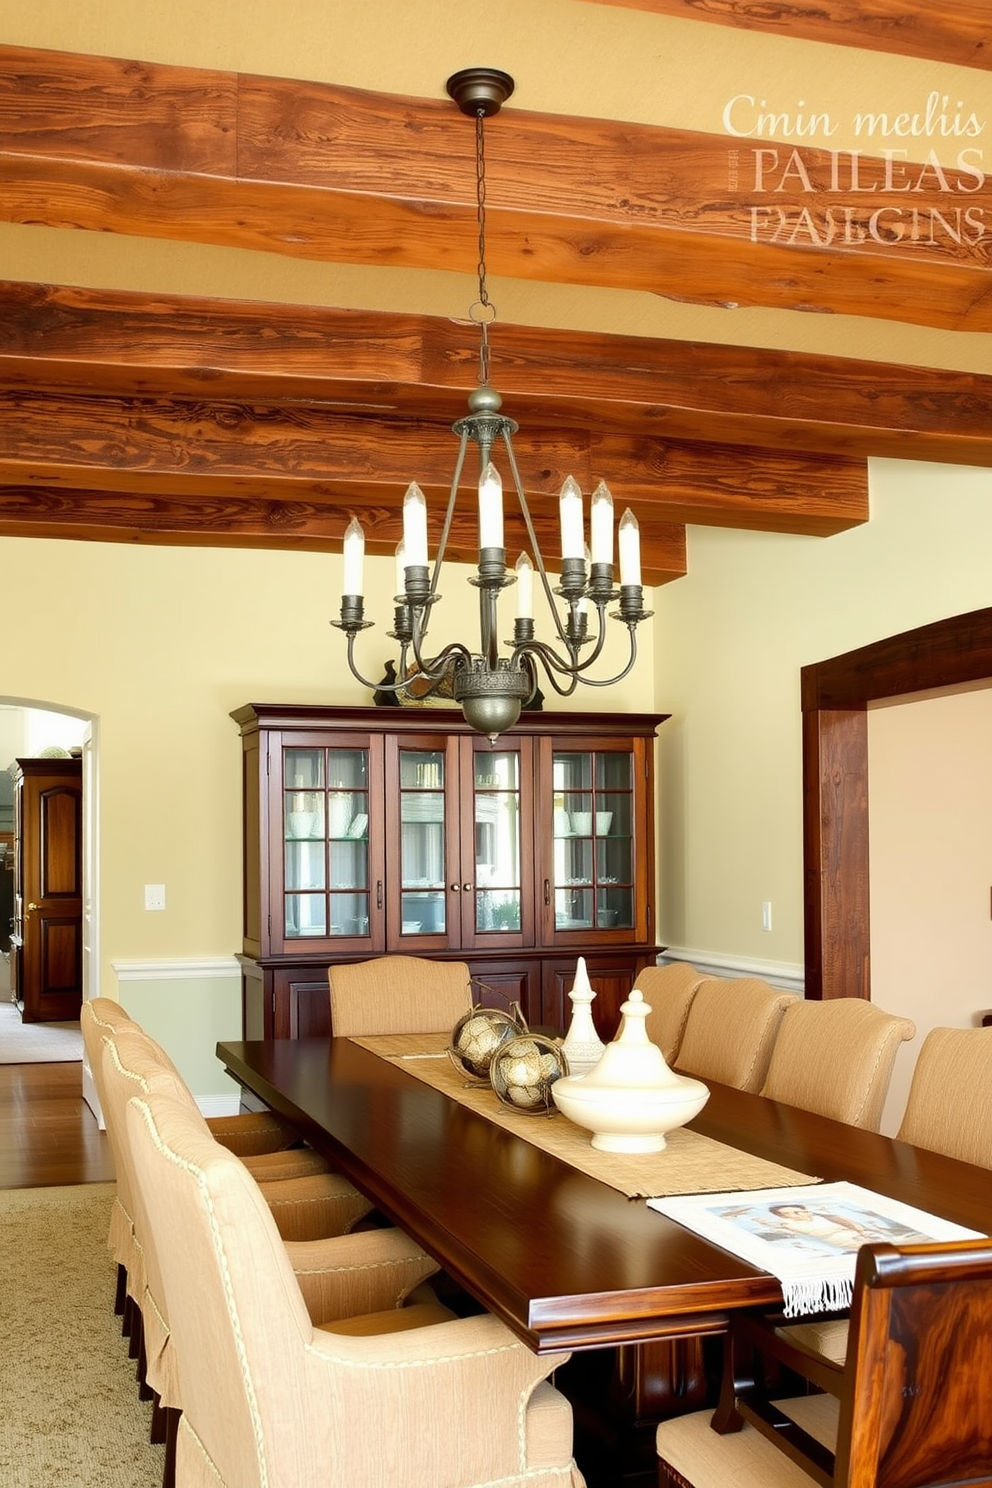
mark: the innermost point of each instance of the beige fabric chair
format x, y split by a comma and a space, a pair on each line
911, 1408
249, 1134
949, 1108
836, 1058
730, 1030
268, 1399
668, 991
398, 994
303, 1209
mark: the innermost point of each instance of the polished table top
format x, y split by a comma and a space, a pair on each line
564, 1260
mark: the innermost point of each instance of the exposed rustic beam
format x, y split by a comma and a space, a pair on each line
314, 453
955, 31
330, 173
222, 517
405, 366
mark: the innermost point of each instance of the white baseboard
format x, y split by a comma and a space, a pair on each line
784, 974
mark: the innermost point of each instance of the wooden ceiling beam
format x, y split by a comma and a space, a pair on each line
406, 366
227, 517
318, 454
955, 31
332, 173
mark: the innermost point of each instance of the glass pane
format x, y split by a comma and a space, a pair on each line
305, 915
349, 914
349, 865
593, 840
304, 769
422, 842
348, 768
615, 908
305, 865
573, 909
422, 913
421, 769
304, 815
613, 772
497, 841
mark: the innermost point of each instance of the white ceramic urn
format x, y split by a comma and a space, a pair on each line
630, 1099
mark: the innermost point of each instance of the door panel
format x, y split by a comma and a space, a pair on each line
49, 892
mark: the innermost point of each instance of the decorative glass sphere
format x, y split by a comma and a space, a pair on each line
523, 1071
476, 1038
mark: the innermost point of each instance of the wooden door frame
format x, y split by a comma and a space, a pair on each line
835, 698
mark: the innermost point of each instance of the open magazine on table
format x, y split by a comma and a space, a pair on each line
807, 1237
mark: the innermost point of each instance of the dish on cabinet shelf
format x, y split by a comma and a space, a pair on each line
565, 924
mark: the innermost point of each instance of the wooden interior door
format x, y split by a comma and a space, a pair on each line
48, 896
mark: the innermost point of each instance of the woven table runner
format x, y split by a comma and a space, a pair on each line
689, 1164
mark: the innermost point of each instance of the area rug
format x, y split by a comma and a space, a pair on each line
37, 1043
70, 1416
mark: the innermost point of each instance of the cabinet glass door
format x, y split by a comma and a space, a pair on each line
325, 847
498, 888
593, 861
422, 842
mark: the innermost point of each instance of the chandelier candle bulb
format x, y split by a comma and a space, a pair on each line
490, 508
524, 570
573, 543
354, 559
630, 549
400, 579
601, 523
415, 525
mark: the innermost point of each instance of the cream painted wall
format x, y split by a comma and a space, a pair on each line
930, 794
159, 644
730, 640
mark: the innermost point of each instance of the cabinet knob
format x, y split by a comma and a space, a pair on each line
456, 888
33, 906
467, 888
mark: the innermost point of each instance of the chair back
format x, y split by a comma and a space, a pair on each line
949, 1108
917, 1403
131, 1067
836, 1058
398, 994
270, 1402
98, 1017
730, 1030
668, 990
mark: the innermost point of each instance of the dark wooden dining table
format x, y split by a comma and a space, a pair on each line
566, 1261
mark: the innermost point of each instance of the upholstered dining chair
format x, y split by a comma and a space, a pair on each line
271, 1399
398, 994
835, 1058
730, 1030
668, 990
308, 1211
910, 1408
248, 1134
949, 1108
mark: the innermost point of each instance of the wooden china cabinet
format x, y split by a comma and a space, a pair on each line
377, 830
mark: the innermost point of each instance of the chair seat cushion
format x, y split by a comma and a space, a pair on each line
828, 1337
743, 1459
393, 1320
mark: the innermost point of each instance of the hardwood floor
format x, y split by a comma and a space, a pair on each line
48, 1134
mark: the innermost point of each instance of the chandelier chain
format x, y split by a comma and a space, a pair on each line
480, 199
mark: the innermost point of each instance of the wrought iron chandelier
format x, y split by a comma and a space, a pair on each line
491, 689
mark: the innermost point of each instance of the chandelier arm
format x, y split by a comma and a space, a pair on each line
449, 514
532, 536
429, 669
535, 651
394, 687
